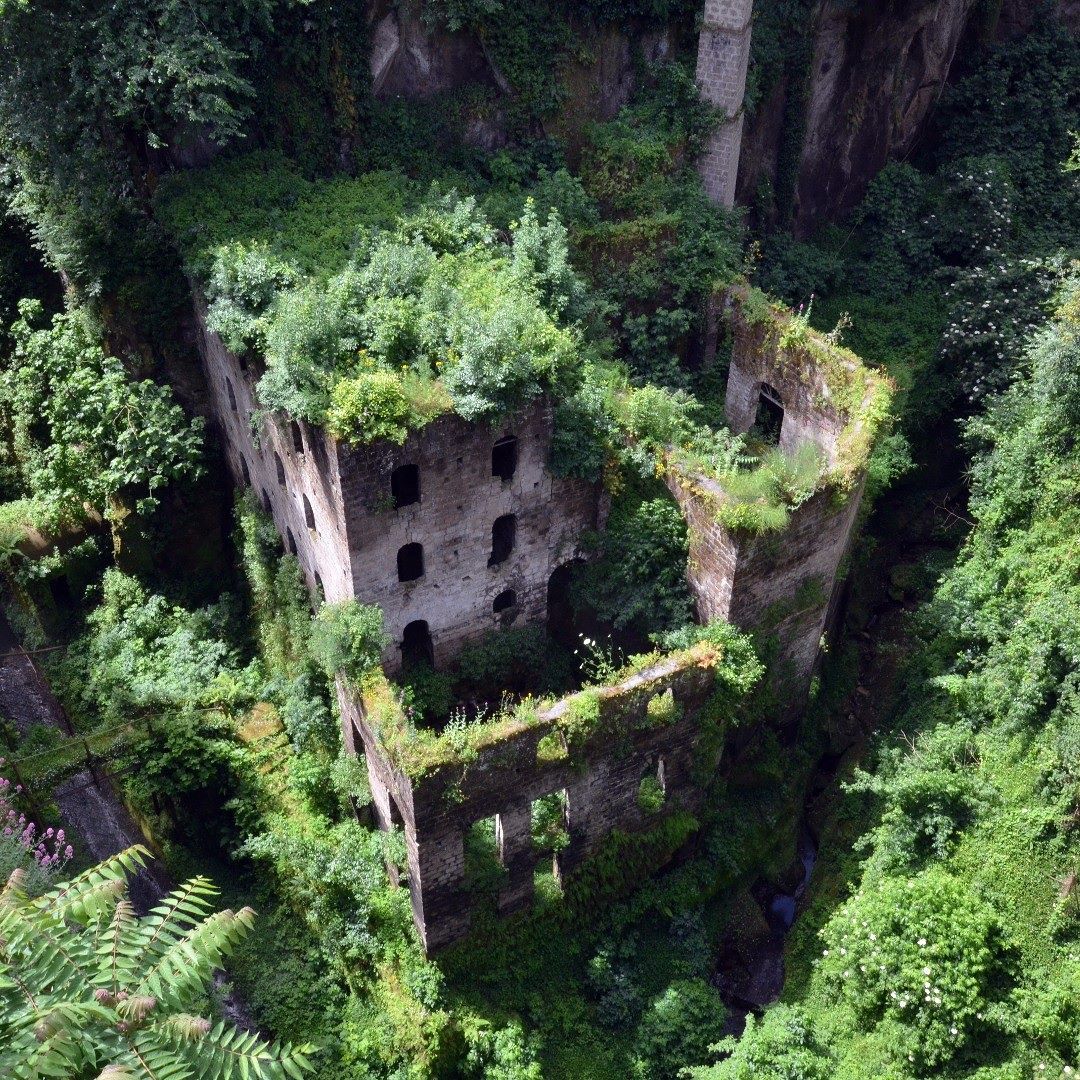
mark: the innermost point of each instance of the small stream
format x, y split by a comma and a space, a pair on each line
751, 977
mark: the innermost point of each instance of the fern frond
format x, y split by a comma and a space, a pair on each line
226, 1052
65, 899
170, 920
45, 951
150, 1058
189, 963
119, 956
185, 1026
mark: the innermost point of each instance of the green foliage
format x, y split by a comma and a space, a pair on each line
428, 695
637, 579
85, 983
549, 823
954, 957
84, 431
922, 956
356, 324
383, 405
650, 795
347, 638
142, 655
81, 83
517, 659
780, 1045
498, 1053
661, 248
335, 875
677, 1029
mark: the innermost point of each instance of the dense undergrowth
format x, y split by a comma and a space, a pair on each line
960, 901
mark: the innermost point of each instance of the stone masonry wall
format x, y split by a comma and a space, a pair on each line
600, 783
723, 53
810, 416
460, 500
311, 473
352, 549
779, 584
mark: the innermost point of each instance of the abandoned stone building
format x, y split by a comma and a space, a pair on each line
460, 530
463, 528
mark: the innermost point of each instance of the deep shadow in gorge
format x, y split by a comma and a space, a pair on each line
913, 531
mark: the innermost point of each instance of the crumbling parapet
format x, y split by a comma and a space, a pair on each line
594, 747
723, 55
775, 569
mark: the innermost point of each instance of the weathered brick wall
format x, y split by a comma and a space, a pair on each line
723, 53
782, 583
352, 550
460, 500
810, 413
312, 473
600, 781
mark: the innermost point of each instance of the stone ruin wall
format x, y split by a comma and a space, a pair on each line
782, 584
754, 582
460, 499
600, 783
312, 472
352, 550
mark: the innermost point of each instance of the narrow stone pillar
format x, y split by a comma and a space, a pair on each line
580, 826
723, 53
437, 886
513, 834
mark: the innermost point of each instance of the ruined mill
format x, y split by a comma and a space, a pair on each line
463, 528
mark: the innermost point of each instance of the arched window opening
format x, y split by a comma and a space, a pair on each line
410, 562
245, 472
266, 505
652, 787
290, 541
309, 514
503, 537
405, 485
297, 437
416, 645
504, 601
504, 458
319, 585
769, 419
232, 394
279, 468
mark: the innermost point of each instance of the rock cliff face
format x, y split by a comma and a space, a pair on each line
877, 69
876, 73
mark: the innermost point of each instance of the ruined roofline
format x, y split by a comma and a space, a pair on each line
838, 405
589, 716
784, 344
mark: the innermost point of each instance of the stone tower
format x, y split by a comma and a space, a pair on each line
723, 52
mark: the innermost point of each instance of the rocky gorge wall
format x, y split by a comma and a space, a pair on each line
864, 94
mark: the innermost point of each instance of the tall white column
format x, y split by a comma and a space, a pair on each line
723, 52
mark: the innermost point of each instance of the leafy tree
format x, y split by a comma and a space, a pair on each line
777, 1046
638, 579
84, 431
348, 637
922, 957
677, 1029
88, 989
